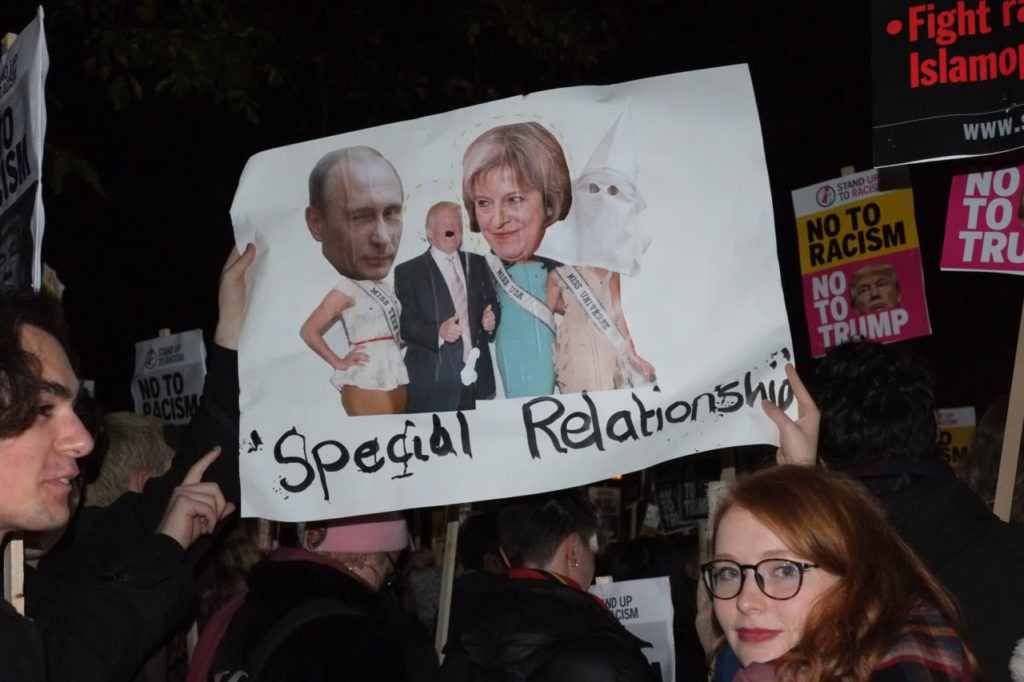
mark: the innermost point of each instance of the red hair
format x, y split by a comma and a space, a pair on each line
830, 519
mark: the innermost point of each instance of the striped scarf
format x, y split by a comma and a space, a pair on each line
927, 648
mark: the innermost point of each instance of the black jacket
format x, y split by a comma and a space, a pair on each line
21, 648
113, 590
979, 558
368, 638
434, 381
541, 630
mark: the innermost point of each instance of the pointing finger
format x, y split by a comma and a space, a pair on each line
195, 474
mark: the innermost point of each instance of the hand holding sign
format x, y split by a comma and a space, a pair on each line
231, 297
196, 506
798, 440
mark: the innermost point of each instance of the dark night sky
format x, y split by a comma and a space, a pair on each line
147, 255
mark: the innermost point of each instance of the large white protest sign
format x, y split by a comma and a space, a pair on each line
665, 211
643, 607
22, 128
169, 374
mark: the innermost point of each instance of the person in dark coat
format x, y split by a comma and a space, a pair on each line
116, 586
878, 423
442, 339
540, 624
41, 439
321, 613
479, 556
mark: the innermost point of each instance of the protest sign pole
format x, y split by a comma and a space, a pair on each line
1011, 433
444, 604
14, 574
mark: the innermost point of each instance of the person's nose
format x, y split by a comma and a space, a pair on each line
502, 218
750, 599
380, 235
74, 439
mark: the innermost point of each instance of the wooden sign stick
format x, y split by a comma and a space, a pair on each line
1012, 433
14, 574
444, 605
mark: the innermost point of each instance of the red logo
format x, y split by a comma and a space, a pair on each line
825, 196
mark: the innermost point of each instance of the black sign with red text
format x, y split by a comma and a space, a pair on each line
948, 79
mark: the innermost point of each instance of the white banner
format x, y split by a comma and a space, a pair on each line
670, 220
641, 607
22, 128
169, 375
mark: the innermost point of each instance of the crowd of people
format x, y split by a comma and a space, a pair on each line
859, 556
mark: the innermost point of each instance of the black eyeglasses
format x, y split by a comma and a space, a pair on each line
777, 578
392, 577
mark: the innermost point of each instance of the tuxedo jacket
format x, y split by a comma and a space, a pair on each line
434, 381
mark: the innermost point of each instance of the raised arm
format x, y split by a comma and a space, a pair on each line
215, 424
231, 297
798, 440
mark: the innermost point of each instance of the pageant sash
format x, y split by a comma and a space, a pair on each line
521, 297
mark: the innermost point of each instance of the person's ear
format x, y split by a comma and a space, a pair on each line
573, 550
494, 563
137, 481
314, 221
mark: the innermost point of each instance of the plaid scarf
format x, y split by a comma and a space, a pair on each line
927, 648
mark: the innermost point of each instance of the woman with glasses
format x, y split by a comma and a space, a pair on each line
810, 582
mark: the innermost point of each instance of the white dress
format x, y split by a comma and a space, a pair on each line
366, 326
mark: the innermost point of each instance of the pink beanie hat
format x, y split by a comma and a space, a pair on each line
358, 534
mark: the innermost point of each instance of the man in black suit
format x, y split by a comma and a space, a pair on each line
441, 338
